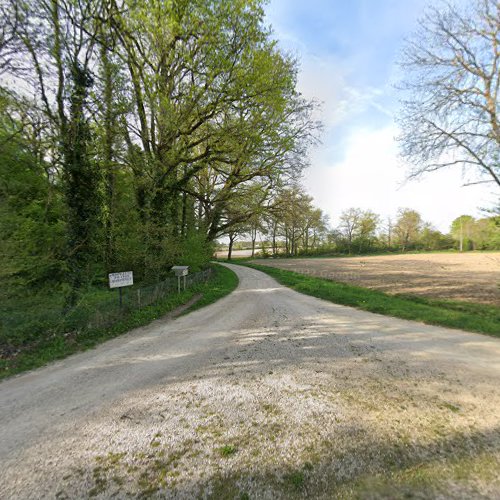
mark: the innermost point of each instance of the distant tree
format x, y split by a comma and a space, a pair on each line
462, 230
432, 239
472, 234
256, 226
407, 228
292, 219
316, 226
232, 234
242, 213
366, 234
350, 221
451, 116
386, 234
487, 234
296, 207
358, 227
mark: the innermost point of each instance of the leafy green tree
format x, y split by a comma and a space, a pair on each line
366, 235
472, 234
432, 239
462, 230
157, 127
56, 41
210, 91
357, 227
407, 228
32, 243
487, 234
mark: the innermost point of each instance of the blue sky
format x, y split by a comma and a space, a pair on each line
348, 52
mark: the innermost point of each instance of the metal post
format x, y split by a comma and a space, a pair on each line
178, 284
121, 299
184, 282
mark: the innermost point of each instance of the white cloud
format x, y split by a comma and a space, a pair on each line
370, 176
358, 166
327, 80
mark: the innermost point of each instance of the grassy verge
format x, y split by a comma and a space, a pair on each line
453, 314
52, 346
224, 283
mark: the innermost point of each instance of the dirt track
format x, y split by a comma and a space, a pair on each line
265, 394
473, 277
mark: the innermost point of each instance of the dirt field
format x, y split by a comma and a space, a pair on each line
237, 254
471, 277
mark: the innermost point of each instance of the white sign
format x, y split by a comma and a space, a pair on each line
180, 270
117, 280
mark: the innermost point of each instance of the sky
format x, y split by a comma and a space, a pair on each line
348, 52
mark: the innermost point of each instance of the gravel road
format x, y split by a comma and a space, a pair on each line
265, 394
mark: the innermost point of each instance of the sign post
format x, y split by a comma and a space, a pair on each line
180, 272
119, 280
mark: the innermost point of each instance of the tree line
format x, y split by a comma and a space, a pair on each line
292, 226
133, 134
363, 231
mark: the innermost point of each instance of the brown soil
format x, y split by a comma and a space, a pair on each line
473, 277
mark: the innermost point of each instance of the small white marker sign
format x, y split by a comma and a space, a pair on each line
117, 280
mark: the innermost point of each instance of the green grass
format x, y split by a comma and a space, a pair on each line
295, 479
40, 339
227, 450
479, 318
225, 282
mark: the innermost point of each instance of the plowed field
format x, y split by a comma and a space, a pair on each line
473, 277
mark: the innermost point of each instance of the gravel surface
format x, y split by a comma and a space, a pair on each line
265, 394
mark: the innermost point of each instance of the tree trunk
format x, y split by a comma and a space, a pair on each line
109, 174
80, 186
230, 251
184, 215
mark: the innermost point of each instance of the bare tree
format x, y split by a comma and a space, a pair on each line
349, 224
388, 229
451, 112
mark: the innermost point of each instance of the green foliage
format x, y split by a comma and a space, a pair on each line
295, 479
137, 142
407, 228
194, 251
227, 450
36, 330
472, 234
431, 239
32, 243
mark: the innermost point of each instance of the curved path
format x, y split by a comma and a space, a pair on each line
323, 375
